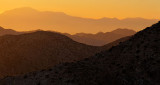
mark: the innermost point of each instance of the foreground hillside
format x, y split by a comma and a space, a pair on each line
39, 50
101, 38
133, 62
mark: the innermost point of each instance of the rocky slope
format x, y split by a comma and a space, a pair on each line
39, 50
33, 51
133, 62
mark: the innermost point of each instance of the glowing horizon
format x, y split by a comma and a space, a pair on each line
148, 9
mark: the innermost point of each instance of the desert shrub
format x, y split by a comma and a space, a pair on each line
42, 70
138, 46
137, 57
118, 64
46, 76
25, 76
34, 74
38, 83
158, 61
138, 51
49, 69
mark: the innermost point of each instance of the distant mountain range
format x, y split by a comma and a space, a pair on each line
26, 19
8, 32
98, 39
133, 62
101, 38
26, 52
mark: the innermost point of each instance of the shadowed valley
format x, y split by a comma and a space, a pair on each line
133, 62
26, 52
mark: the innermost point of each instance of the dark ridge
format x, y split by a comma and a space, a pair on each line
8, 32
101, 38
133, 62
38, 50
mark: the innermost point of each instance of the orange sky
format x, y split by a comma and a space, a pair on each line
91, 8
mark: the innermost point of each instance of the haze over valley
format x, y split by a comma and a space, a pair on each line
79, 42
26, 19
133, 62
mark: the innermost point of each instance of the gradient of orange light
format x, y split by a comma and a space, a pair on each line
91, 8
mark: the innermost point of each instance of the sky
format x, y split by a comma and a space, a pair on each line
149, 9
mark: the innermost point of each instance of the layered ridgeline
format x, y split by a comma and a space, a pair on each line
101, 38
8, 32
98, 39
25, 19
39, 50
133, 62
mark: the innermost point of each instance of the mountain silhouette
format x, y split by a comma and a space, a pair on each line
89, 39
26, 19
101, 38
39, 50
26, 52
8, 32
133, 62
126, 32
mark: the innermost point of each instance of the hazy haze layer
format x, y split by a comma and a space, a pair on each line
91, 8
24, 19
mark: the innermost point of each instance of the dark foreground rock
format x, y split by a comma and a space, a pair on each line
133, 62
